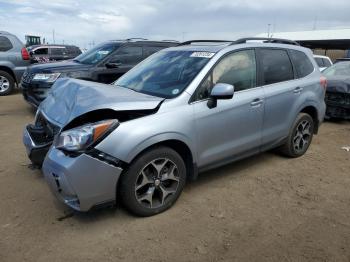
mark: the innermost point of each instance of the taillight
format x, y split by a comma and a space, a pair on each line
323, 82
25, 54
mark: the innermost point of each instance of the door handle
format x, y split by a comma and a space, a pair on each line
256, 102
298, 90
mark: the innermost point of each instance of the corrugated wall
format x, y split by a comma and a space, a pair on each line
333, 54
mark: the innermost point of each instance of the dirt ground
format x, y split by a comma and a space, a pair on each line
265, 208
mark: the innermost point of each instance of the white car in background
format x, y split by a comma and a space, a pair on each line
323, 61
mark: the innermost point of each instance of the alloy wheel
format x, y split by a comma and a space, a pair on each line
302, 136
157, 183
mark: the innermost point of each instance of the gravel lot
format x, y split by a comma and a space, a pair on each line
265, 208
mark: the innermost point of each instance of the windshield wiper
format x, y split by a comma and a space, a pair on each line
127, 88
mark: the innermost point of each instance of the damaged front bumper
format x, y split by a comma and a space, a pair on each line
35, 152
38, 138
338, 105
81, 182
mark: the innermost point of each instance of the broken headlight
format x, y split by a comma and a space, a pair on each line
80, 138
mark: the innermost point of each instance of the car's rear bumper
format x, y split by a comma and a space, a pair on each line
81, 182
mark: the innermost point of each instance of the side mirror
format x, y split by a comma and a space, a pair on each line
220, 91
113, 64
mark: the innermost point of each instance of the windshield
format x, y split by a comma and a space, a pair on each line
338, 69
97, 53
165, 74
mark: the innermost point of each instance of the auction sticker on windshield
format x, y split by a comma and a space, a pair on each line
203, 54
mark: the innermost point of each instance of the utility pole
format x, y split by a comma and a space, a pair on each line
53, 35
268, 30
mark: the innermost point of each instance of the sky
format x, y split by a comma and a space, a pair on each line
88, 22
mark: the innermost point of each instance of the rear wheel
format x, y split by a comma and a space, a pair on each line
153, 182
7, 83
300, 136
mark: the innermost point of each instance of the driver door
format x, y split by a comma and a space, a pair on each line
232, 129
126, 57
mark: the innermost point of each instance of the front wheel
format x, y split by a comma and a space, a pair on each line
153, 182
300, 136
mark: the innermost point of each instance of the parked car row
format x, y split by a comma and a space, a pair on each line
183, 110
104, 64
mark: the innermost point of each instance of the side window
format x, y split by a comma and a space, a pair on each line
326, 62
149, 50
41, 51
57, 51
276, 66
237, 69
302, 63
5, 44
128, 55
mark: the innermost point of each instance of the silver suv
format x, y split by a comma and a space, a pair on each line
14, 59
183, 110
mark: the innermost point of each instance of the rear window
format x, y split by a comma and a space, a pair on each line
319, 61
57, 51
149, 50
73, 50
302, 63
5, 44
326, 62
276, 66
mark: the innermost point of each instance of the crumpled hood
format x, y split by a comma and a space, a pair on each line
70, 98
338, 84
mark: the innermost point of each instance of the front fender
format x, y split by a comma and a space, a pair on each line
134, 136
159, 139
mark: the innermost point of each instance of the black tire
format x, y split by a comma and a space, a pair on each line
290, 148
130, 181
10, 80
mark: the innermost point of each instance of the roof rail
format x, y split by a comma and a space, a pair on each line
266, 40
169, 40
135, 38
205, 41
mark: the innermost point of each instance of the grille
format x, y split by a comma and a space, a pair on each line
43, 132
27, 77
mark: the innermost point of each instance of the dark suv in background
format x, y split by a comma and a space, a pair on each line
105, 63
14, 58
47, 53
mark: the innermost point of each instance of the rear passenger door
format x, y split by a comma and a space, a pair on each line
281, 94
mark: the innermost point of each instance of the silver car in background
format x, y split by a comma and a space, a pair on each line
14, 59
182, 111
